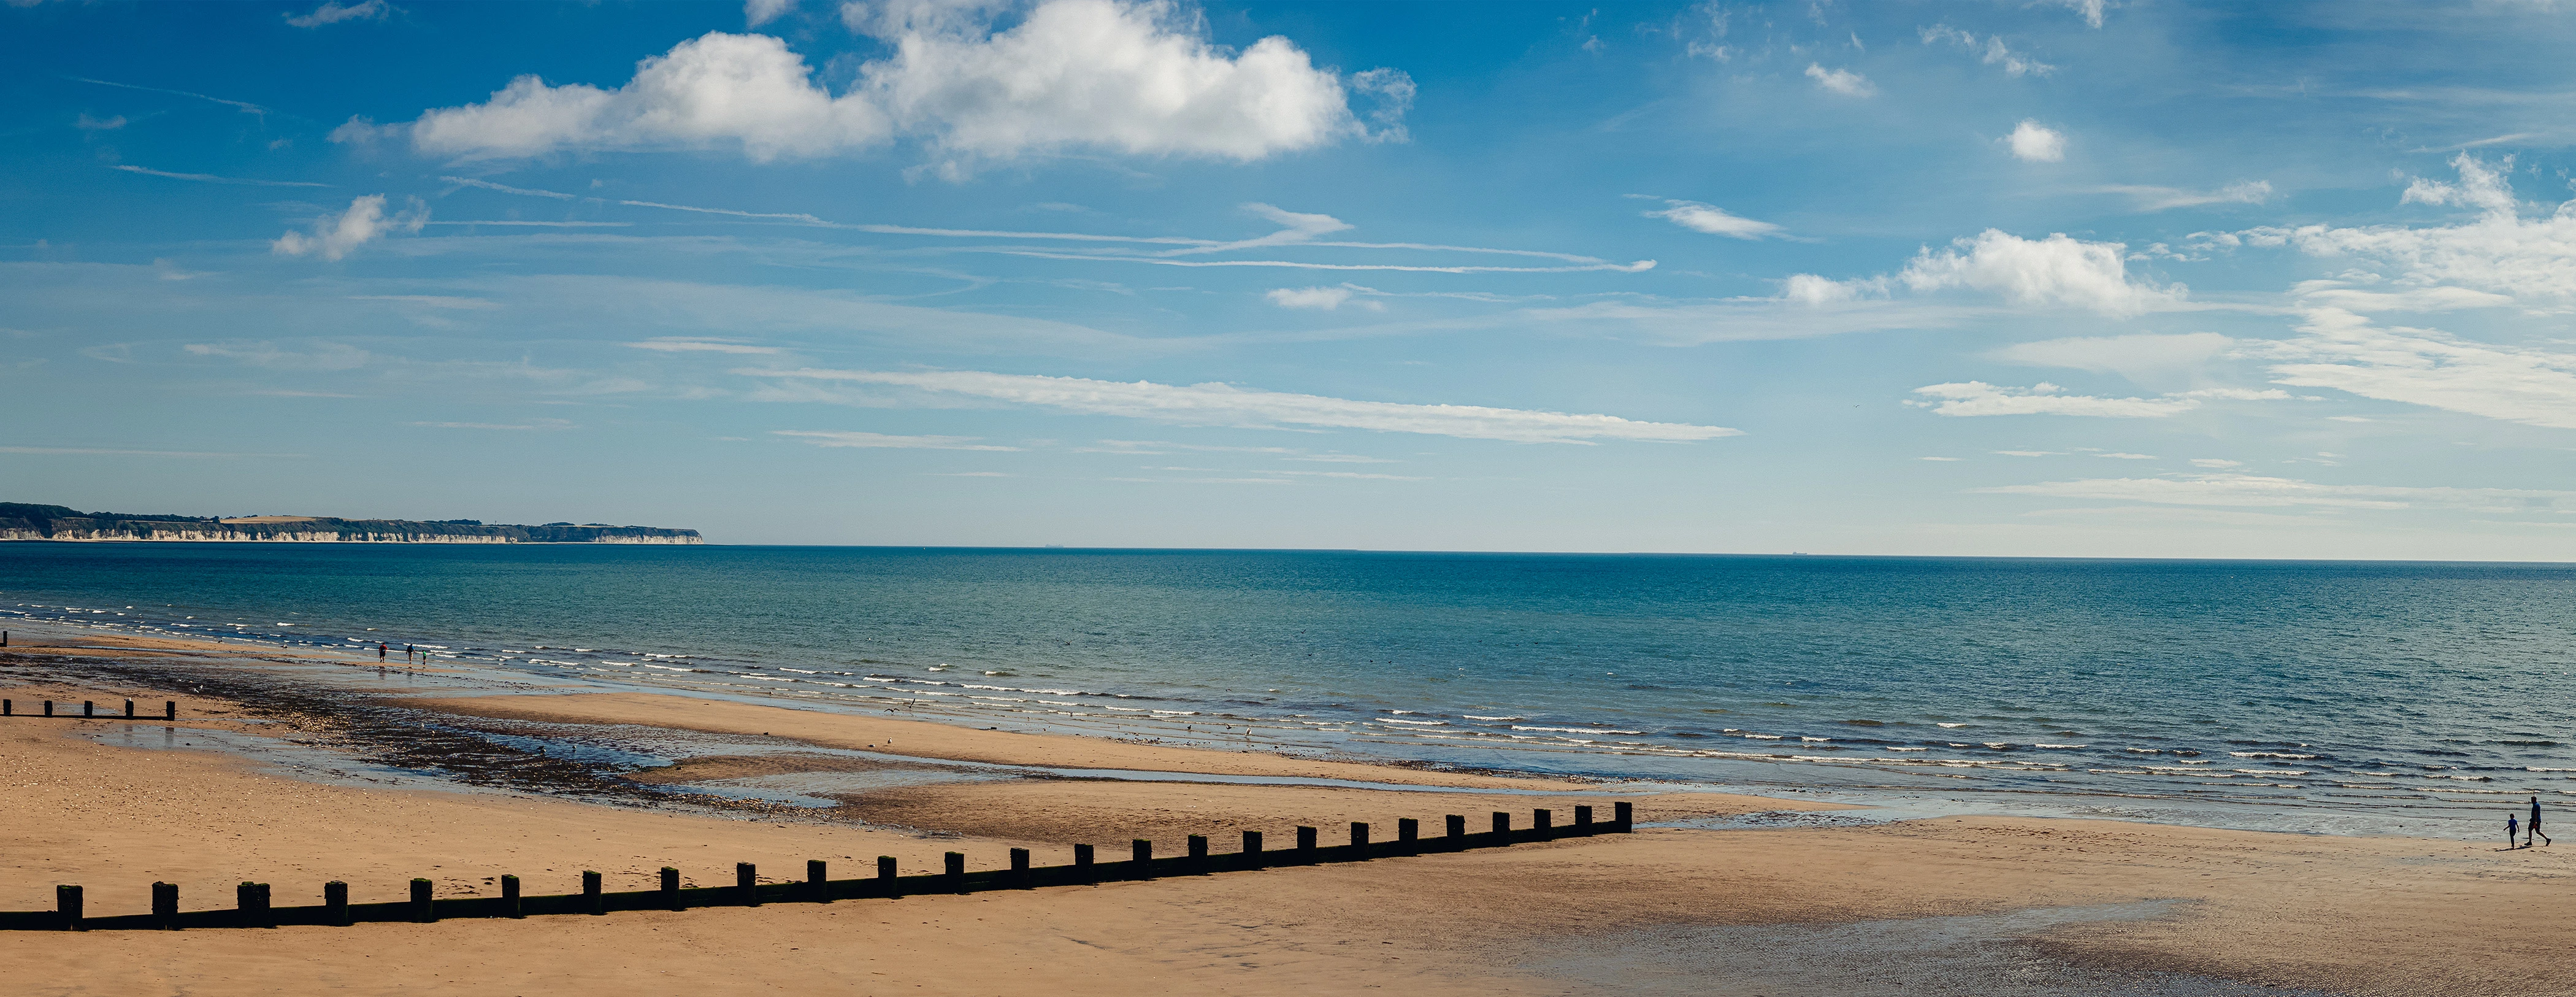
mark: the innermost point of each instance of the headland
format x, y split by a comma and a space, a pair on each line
29, 521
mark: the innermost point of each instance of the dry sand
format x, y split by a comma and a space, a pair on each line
1674, 910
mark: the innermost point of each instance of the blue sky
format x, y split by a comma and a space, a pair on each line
2014, 278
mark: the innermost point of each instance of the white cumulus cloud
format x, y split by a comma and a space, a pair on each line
1215, 404
334, 236
2531, 261
2033, 142
1133, 77
1712, 219
759, 12
2053, 271
1841, 81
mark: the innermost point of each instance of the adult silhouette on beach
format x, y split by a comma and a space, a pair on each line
2534, 831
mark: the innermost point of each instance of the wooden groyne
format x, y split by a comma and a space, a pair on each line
251, 907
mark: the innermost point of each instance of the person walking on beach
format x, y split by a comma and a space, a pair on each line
2512, 831
2534, 831
380, 651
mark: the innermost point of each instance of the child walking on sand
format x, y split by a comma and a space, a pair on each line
2512, 831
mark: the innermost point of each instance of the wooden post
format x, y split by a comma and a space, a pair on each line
8, 707
165, 904
817, 884
1542, 820
1503, 826
88, 709
129, 709
746, 882
335, 897
246, 904
955, 869
423, 909
67, 902
1198, 848
1140, 851
885, 876
1252, 849
1623, 817
49, 707
1359, 838
1407, 832
266, 919
1020, 865
671, 887
511, 905
1306, 842
1456, 826
1583, 818
170, 710
1082, 862
593, 900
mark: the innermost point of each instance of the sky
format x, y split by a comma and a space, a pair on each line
2057, 278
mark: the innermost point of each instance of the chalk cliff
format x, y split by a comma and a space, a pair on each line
23, 521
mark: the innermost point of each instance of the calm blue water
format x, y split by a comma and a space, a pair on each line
2329, 689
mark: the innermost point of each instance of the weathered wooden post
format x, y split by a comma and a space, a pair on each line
1408, 832
266, 918
817, 884
170, 710
1456, 827
49, 707
1503, 827
129, 709
423, 909
1198, 854
1360, 839
1543, 820
1623, 817
1082, 863
165, 904
88, 709
1583, 820
246, 904
1141, 852
954, 868
1305, 844
1252, 850
671, 887
511, 905
593, 900
885, 876
335, 899
8, 707
67, 903
1020, 867
746, 883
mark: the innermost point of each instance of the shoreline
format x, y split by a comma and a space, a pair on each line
2196, 911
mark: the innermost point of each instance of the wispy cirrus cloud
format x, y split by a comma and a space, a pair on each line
1976, 398
1227, 405
849, 438
211, 178
673, 344
2258, 491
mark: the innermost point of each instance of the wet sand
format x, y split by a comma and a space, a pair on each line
1956, 905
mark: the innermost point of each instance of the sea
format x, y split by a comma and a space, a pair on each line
2335, 697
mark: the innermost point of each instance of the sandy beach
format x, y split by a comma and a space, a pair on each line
1967, 905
